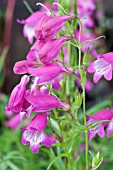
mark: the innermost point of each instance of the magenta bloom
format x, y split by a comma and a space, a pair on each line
43, 74
46, 51
41, 102
17, 96
14, 122
50, 26
33, 53
8, 113
21, 67
30, 25
34, 133
103, 66
47, 73
106, 114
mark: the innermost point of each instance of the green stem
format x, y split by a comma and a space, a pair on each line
86, 131
79, 60
28, 7
84, 113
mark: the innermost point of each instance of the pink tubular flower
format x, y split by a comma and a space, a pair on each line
33, 53
17, 96
46, 52
30, 25
40, 101
47, 73
102, 66
43, 74
43, 102
50, 26
8, 113
14, 122
21, 67
34, 133
106, 114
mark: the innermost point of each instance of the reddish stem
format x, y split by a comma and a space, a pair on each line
6, 38
8, 23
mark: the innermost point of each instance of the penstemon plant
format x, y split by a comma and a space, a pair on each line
53, 86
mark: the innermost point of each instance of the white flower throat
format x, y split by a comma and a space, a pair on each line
101, 66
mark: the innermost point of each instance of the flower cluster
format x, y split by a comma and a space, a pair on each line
43, 70
14, 121
42, 67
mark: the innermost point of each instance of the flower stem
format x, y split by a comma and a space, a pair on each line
79, 60
86, 131
28, 7
84, 111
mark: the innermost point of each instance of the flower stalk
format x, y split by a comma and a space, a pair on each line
83, 81
58, 74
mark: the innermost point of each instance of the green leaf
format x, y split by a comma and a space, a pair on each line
3, 166
12, 166
57, 144
97, 160
83, 77
78, 100
54, 125
58, 157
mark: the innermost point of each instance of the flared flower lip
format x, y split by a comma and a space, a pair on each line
106, 114
103, 66
107, 56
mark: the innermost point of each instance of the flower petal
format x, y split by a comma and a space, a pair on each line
43, 103
94, 52
39, 122
21, 67
91, 134
34, 147
108, 57
91, 67
96, 77
109, 129
108, 74
48, 140
17, 96
101, 131
24, 140
55, 84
